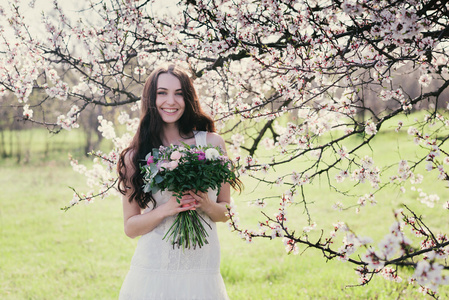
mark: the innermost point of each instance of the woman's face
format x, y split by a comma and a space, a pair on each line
169, 98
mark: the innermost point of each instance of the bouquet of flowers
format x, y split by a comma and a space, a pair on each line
182, 168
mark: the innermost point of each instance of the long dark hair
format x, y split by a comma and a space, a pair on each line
148, 135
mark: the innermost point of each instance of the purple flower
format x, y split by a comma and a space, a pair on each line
201, 155
150, 160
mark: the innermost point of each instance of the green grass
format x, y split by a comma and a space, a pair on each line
84, 254
49, 254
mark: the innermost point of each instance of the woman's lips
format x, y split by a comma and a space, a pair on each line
169, 110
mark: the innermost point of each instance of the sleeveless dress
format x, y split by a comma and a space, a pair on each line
159, 271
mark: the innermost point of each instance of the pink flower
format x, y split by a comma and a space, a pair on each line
172, 165
176, 155
169, 165
150, 160
164, 166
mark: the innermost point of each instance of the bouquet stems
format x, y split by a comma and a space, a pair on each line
188, 231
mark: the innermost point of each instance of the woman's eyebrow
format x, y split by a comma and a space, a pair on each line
162, 88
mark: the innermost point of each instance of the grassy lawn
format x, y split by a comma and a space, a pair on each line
83, 253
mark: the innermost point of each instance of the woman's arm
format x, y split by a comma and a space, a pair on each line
136, 222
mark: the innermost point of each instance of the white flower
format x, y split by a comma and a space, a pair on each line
296, 177
370, 128
425, 80
446, 205
27, 112
75, 199
268, 143
367, 162
212, 154
140, 70
106, 128
386, 95
446, 160
338, 206
238, 139
309, 228
412, 131
343, 152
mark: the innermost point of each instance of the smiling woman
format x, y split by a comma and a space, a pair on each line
170, 115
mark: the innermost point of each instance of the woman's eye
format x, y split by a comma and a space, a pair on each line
161, 93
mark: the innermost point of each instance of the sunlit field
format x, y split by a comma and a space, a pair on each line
46, 253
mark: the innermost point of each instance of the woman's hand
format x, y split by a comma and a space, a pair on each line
172, 207
137, 223
201, 200
215, 210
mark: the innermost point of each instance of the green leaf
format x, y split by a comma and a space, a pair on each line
158, 179
147, 188
153, 168
154, 190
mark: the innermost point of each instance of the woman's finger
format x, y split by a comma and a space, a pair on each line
187, 196
197, 195
187, 201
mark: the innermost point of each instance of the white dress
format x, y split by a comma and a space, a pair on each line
160, 272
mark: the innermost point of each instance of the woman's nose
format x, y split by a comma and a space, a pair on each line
171, 98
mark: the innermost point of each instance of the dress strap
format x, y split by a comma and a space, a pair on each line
200, 138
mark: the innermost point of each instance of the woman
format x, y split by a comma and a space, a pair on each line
171, 114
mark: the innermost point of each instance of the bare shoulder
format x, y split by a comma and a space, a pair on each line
215, 140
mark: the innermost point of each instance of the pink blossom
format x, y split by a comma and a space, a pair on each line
290, 246
390, 274
150, 160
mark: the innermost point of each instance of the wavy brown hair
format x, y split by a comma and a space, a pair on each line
148, 135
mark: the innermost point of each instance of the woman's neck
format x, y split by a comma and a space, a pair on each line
170, 135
